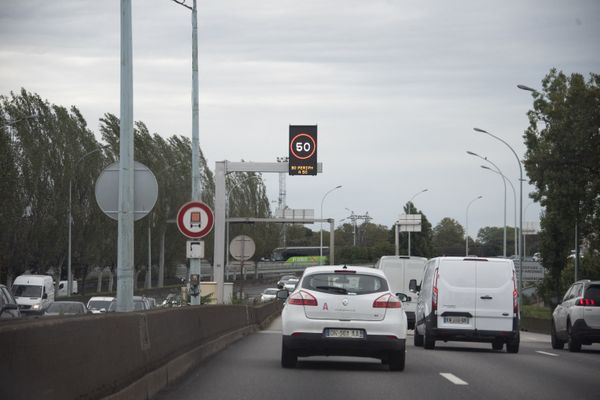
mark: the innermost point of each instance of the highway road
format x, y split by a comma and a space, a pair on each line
250, 369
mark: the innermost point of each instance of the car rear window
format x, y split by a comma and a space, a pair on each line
343, 283
593, 292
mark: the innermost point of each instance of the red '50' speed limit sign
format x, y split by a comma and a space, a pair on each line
303, 150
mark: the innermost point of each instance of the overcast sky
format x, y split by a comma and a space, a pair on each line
395, 87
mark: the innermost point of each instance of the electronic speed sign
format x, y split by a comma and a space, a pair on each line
303, 150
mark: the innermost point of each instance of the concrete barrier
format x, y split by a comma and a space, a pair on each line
121, 355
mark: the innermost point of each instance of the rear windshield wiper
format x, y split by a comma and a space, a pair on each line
333, 289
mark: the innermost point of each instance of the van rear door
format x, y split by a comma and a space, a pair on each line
456, 284
494, 308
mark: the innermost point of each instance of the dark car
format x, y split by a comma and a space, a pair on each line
8, 305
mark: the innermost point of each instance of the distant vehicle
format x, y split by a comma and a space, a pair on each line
468, 299
99, 304
151, 302
9, 309
62, 288
576, 320
537, 257
301, 255
343, 311
66, 308
268, 294
285, 278
140, 303
33, 293
291, 284
400, 270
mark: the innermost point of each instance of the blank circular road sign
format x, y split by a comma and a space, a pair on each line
145, 191
242, 248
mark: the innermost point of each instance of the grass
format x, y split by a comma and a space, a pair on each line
536, 312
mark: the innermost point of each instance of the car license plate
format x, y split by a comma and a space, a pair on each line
456, 320
345, 333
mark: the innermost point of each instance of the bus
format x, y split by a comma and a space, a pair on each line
301, 255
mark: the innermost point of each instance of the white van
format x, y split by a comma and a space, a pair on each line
33, 293
468, 299
62, 288
399, 271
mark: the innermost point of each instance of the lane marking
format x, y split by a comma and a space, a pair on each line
547, 354
270, 332
453, 378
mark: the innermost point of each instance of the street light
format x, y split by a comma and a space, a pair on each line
514, 199
520, 208
410, 202
321, 242
70, 218
504, 183
467, 226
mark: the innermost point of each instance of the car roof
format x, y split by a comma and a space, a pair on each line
333, 268
102, 298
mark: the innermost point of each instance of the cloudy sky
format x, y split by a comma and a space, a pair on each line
395, 87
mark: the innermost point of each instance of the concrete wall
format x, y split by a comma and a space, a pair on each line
99, 355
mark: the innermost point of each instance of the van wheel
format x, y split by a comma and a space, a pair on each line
397, 360
557, 344
513, 345
289, 358
497, 345
428, 341
418, 338
574, 345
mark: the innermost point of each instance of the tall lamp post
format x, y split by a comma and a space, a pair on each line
504, 183
520, 211
410, 202
514, 199
322, 201
70, 219
467, 225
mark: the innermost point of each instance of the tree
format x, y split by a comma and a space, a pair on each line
563, 162
448, 238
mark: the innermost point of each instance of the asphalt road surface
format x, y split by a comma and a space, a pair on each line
250, 369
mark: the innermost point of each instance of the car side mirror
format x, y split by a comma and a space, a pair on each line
282, 294
403, 297
45, 296
412, 286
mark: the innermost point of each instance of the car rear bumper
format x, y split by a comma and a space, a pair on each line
313, 344
471, 335
583, 332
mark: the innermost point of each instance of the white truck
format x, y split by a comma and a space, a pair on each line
33, 293
399, 271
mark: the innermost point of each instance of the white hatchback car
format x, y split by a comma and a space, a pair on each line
343, 311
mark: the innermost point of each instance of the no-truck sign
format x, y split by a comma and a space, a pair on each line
195, 219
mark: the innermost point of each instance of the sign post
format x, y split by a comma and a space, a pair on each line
195, 220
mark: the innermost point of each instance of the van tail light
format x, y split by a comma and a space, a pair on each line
388, 300
515, 295
302, 298
434, 292
586, 302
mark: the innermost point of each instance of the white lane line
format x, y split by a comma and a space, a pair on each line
453, 378
547, 354
270, 332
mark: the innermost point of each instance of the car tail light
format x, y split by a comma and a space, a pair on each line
387, 300
515, 295
434, 292
302, 298
586, 302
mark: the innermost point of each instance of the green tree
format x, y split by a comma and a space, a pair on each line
563, 162
448, 238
